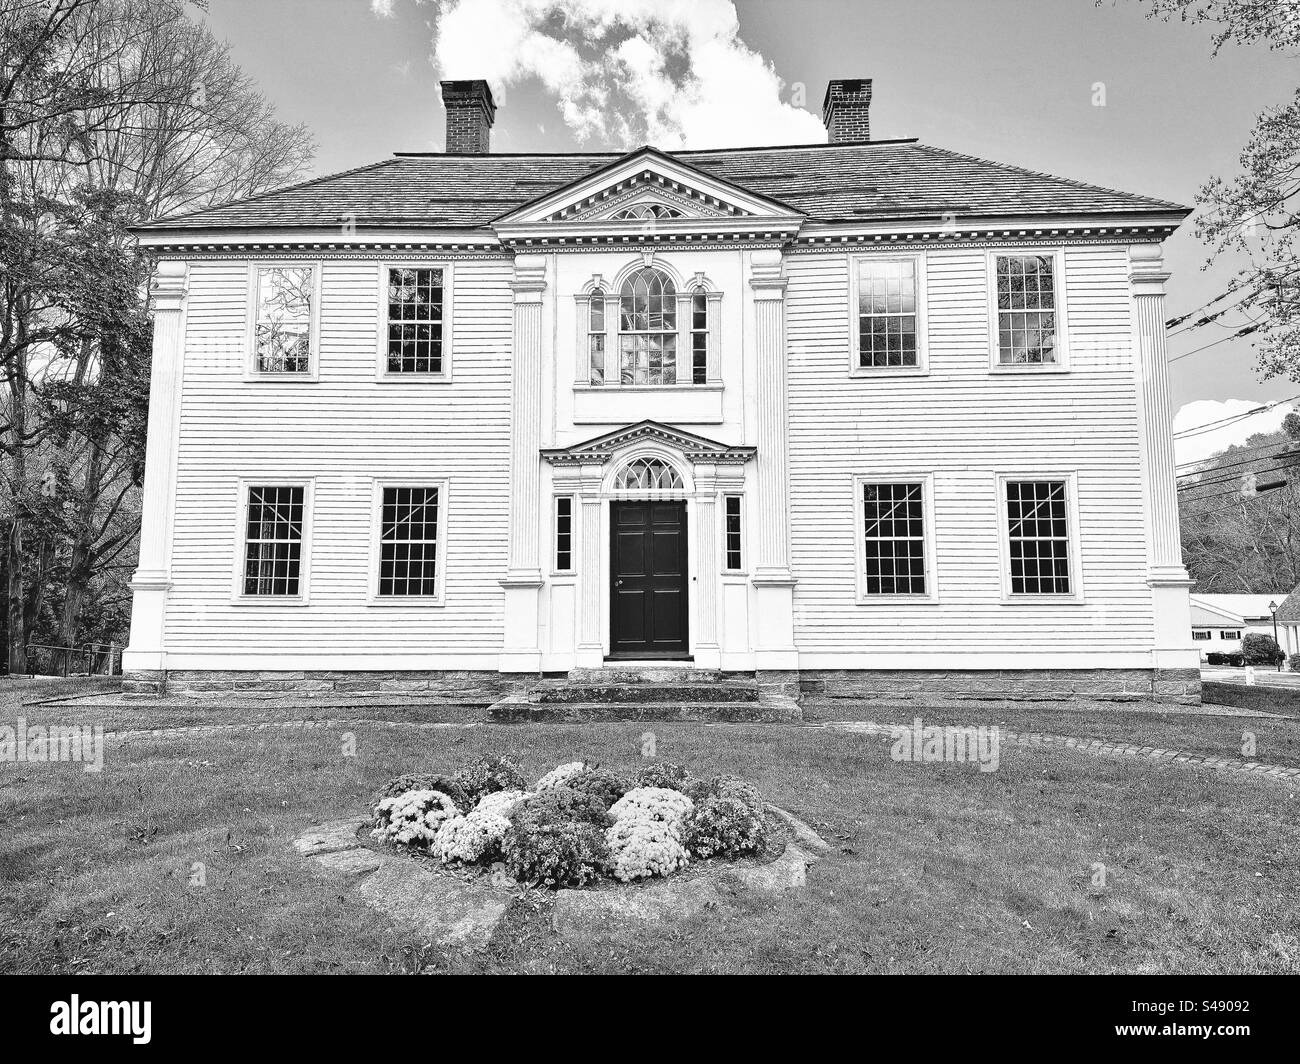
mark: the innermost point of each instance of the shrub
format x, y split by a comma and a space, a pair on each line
653, 804
485, 775
560, 775
642, 848
605, 786
559, 804
1260, 649
1214, 657
543, 846
425, 781
1293, 663
724, 827
663, 774
479, 836
727, 820
413, 818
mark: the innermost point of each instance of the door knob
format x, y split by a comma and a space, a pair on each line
618, 583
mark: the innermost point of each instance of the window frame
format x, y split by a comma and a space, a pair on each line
1230, 634
1202, 635
252, 373
382, 373
741, 549
1071, 480
920, 272
438, 598
865, 598
243, 486
1062, 363
572, 570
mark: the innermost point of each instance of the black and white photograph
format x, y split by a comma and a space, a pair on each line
649, 487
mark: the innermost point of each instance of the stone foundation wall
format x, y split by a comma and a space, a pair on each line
911, 686
469, 687
933, 687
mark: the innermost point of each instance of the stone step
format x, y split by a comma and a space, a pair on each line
521, 711
647, 674
641, 692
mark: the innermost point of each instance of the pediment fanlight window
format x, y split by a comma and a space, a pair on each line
648, 328
637, 186
646, 210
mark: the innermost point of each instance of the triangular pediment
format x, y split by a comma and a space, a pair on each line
601, 449
648, 187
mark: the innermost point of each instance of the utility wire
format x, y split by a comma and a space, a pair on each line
1212, 425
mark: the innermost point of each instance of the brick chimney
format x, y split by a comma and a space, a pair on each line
846, 110
470, 111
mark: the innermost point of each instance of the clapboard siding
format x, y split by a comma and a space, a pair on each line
342, 430
965, 425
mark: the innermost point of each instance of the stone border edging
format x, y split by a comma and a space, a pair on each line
1100, 748
448, 911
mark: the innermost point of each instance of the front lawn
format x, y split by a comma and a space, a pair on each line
938, 868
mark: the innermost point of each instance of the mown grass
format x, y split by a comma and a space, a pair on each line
936, 869
1276, 742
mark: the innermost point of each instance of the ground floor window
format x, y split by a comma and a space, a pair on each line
735, 561
564, 534
273, 541
1230, 633
408, 541
1038, 534
893, 535
1200, 634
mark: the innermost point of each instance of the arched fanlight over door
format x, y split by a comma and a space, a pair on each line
648, 474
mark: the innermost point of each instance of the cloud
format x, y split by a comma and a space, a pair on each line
1195, 448
673, 73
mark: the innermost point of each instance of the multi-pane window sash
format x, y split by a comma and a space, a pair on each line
699, 337
1026, 309
282, 331
886, 313
273, 541
894, 536
1038, 534
1201, 634
415, 304
733, 544
596, 336
564, 534
648, 329
408, 542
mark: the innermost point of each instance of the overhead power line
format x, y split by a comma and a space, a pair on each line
1210, 426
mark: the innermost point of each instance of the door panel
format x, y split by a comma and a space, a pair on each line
648, 579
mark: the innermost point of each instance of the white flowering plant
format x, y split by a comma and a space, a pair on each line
413, 817
654, 804
480, 835
639, 849
560, 775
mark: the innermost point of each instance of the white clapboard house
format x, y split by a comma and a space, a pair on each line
887, 416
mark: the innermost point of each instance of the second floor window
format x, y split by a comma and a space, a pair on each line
1026, 309
282, 328
596, 336
886, 313
648, 329
415, 320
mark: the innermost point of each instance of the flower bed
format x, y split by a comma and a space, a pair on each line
578, 825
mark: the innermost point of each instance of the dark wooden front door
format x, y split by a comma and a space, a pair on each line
648, 580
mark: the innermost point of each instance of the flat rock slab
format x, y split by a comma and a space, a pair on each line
442, 910
330, 838
439, 909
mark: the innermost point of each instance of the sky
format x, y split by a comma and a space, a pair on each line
1016, 81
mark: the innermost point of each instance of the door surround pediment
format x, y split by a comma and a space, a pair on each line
697, 450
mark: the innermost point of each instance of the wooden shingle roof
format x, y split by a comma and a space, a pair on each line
869, 181
1289, 611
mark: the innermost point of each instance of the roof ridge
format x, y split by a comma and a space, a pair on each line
664, 151
167, 219
1089, 186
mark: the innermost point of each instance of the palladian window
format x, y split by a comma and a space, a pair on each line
648, 329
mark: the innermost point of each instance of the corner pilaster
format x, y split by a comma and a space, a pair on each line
151, 581
1166, 573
